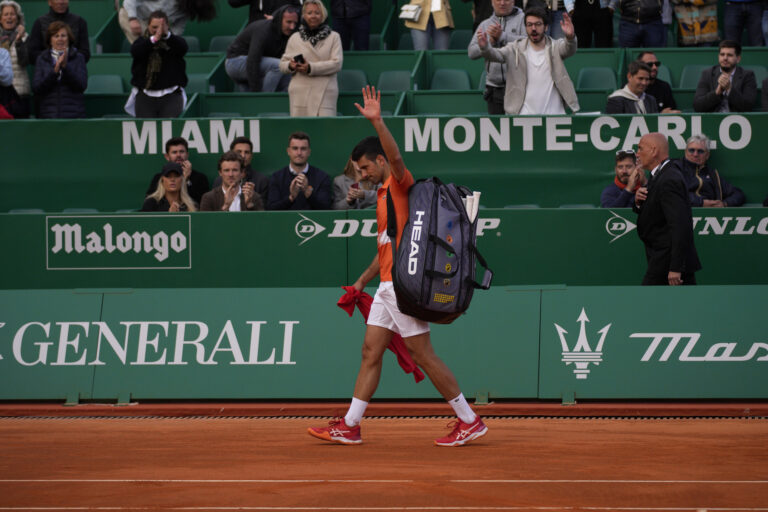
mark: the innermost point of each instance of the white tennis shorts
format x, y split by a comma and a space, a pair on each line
384, 313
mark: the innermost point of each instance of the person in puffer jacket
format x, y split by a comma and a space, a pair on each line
61, 76
640, 24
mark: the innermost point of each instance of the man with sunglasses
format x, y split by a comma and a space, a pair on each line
705, 185
656, 87
629, 178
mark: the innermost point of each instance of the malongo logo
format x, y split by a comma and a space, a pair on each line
99, 242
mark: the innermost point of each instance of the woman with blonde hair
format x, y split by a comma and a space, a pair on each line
313, 56
171, 194
350, 191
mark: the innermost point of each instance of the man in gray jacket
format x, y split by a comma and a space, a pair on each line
504, 26
537, 81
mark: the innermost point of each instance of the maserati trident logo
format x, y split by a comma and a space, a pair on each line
307, 229
617, 226
582, 354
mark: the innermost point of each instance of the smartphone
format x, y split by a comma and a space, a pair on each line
299, 58
355, 185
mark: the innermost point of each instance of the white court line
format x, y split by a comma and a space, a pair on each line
303, 481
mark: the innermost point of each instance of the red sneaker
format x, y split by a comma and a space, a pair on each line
463, 432
337, 431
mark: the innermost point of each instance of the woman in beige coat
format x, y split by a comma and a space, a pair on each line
314, 57
432, 24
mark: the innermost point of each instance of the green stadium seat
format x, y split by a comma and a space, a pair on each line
460, 39
197, 82
219, 44
394, 80
481, 82
596, 78
26, 210
450, 80
689, 77
664, 74
105, 84
761, 73
352, 80
374, 42
193, 43
405, 42
125, 47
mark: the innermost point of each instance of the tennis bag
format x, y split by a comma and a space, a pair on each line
433, 268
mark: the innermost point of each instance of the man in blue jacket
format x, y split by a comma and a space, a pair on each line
299, 186
629, 177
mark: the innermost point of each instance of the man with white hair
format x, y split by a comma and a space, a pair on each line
705, 185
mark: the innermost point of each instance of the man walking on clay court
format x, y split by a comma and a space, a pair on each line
380, 162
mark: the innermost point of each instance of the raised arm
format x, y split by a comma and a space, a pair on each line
371, 110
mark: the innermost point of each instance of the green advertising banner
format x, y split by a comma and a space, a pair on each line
548, 161
646, 342
574, 247
231, 343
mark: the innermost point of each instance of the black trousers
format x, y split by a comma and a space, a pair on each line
494, 97
593, 25
170, 105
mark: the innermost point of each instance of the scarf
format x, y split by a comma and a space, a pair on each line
623, 186
316, 35
155, 62
7, 37
626, 93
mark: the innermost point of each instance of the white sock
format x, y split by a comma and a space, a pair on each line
355, 412
462, 409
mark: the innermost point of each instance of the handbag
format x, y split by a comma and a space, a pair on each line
410, 12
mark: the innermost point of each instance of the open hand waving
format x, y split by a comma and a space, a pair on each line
371, 108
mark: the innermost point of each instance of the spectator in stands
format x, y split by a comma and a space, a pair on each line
38, 37
739, 15
537, 81
705, 185
158, 71
632, 98
244, 147
629, 177
505, 25
171, 193
593, 22
14, 38
313, 56
727, 87
640, 24
299, 186
696, 22
235, 194
656, 87
350, 191
6, 68
133, 16
177, 150
263, 9
253, 58
481, 11
61, 76
352, 20
433, 26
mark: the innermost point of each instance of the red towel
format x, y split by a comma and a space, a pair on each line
363, 302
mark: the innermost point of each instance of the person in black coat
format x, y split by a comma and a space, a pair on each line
658, 88
253, 58
727, 87
38, 40
61, 76
664, 221
158, 72
352, 20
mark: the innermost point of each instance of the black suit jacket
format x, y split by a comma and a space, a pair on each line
665, 224
741, 97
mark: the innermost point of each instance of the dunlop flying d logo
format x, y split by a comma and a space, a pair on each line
582, 354
307, 229
617, 226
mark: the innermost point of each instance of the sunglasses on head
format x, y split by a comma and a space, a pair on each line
696, 151
625, 152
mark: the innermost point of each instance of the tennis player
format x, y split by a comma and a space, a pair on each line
380, 162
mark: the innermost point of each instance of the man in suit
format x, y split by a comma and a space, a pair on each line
727, 87
235, 194
298, 185
664, 221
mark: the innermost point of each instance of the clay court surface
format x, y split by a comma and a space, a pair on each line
224, 463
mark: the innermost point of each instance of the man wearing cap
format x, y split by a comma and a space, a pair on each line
629, 177
177, 150
235, 194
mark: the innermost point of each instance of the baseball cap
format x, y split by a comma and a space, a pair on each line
172, 167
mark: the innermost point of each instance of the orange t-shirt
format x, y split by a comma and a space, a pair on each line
399, 191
